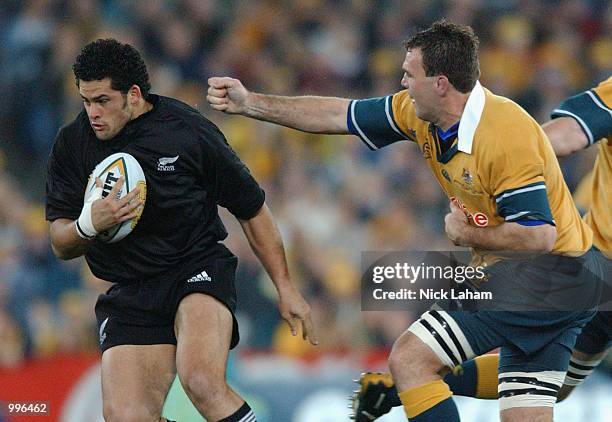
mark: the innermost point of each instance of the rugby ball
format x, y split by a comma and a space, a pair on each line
109, 171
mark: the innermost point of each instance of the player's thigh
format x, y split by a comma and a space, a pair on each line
455, 337
203, 327
136, 380
437, 342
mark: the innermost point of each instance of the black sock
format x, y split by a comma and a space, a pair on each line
244, 414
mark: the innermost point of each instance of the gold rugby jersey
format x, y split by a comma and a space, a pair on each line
592, 110
499, 168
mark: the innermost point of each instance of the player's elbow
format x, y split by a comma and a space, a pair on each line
62, 254
544, 238
565, 135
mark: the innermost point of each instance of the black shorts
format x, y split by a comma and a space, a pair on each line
143, 313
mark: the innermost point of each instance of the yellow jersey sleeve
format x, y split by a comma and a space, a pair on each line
382, 121
516, 173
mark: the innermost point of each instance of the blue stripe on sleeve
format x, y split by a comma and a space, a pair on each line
531, 222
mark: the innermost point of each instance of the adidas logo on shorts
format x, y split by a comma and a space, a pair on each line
203, 276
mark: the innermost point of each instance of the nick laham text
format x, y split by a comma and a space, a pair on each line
430, 294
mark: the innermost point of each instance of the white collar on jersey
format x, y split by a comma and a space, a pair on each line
470, 118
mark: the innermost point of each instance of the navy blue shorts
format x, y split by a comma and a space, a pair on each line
596, 336
524, 347
531, 340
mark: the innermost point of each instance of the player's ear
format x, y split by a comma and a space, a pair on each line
134, 94
442, 84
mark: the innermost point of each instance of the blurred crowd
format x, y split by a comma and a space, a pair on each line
333, 198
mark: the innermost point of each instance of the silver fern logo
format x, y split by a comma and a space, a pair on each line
165, 163
102, 333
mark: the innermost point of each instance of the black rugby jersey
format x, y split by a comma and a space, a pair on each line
180, 226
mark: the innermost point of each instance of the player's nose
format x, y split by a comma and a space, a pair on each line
95, 111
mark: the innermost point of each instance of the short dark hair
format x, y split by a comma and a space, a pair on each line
451, 50
109, 58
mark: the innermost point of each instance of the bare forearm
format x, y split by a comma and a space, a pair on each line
267, 244
510, 237
308, 114
65, 241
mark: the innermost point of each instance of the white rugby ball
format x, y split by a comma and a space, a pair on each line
109, 171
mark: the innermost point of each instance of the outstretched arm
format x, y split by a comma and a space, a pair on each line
308, 113
266, 242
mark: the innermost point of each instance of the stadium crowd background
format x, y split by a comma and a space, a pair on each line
333, 198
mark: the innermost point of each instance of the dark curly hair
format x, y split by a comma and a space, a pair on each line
451, 50
109, 58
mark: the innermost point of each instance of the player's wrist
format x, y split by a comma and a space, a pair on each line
84, 224
285, 288
465, 235
252, 104
84, 227
82, 234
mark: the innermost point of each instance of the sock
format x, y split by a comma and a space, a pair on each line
430, 402
244, 414
487, 369
475, 378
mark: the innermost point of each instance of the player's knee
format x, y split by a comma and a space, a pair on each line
116, 412
205, 387
531, 414
409, 355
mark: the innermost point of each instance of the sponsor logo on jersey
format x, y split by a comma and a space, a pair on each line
203, 276
479, 219
165, 163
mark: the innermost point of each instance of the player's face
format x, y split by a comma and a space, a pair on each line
108, 109
420, 87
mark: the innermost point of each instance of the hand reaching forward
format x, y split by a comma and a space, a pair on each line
227, 95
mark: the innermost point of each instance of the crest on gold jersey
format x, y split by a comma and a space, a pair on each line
467, 177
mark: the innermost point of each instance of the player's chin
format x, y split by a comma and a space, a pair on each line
103, 135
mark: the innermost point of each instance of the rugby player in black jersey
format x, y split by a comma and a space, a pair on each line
171, 306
